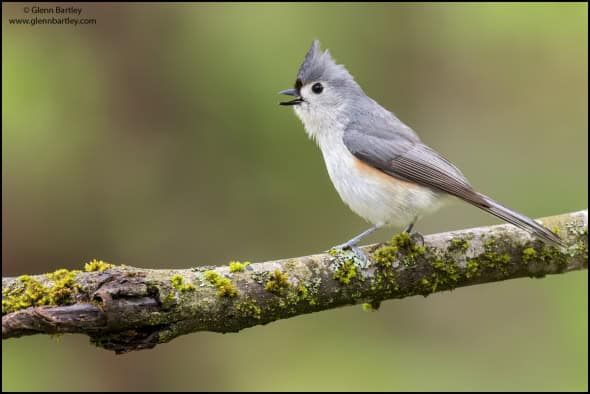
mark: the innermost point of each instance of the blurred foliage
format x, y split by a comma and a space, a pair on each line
154, 139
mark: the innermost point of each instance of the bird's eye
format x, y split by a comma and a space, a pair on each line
317, 88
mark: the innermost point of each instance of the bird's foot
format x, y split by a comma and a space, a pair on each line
417, 238
339, 249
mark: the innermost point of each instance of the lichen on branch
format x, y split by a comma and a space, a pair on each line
124, 308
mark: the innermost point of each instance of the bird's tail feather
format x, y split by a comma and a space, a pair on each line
520, 221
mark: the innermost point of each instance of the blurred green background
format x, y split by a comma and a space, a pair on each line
154, 138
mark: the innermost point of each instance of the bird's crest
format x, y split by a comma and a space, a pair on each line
319, 66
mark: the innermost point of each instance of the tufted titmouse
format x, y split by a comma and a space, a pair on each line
378, 165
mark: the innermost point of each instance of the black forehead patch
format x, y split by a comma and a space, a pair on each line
319, 66
298, 84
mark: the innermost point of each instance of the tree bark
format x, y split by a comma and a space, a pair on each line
123, 308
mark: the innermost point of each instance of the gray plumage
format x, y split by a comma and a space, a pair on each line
342, 114
415, 162
319, 66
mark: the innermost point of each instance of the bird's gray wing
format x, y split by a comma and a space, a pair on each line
403, 156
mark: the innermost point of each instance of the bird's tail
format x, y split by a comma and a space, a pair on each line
519, 220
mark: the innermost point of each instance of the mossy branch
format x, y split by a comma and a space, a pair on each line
124, 308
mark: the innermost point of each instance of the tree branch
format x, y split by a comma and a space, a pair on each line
124, 308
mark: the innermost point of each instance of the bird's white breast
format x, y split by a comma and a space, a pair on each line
370, 193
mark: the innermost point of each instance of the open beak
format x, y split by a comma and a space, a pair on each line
291, 92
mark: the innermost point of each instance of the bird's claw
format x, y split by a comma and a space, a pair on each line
358, 251
417, 238
355, 249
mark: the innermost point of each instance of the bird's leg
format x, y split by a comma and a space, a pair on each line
416, 236
353, 241
351, 244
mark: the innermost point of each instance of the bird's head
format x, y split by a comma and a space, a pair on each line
322, 88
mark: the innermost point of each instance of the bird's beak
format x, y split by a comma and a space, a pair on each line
291, 92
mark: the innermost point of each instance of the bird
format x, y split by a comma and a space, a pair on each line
378, 165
